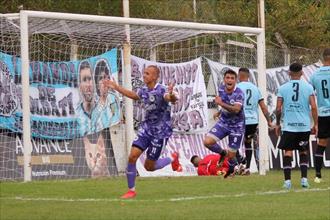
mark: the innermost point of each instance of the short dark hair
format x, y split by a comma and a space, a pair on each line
295, 67
231, 72
326, 54
83, 65
244, 69
193, 158
101, 66
155, 68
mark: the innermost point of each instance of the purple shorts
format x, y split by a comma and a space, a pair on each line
235, 136
153, 145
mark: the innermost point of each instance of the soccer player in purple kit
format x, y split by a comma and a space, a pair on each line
154, 130
231, 121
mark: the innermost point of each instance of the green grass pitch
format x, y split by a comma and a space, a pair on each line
242, 197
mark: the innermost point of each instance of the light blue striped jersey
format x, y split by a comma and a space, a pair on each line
321, 83
102, 116
84, 119
105, 115
251, 102
295, 95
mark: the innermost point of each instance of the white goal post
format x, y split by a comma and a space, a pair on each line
25, 17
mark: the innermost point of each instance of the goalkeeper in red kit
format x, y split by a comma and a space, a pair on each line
208, 166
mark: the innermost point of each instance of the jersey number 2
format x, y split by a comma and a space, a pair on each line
248, 94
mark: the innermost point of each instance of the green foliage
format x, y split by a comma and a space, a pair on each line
98, 7
302, 23
166, 10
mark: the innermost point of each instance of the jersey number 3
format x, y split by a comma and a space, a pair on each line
295, 96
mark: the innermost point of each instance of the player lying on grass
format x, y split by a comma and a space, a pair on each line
208, 166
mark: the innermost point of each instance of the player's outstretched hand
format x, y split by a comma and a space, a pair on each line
110, 83
170, 88
173, 96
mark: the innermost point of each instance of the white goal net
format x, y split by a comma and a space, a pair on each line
76, 130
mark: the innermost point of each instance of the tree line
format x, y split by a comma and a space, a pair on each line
290, 23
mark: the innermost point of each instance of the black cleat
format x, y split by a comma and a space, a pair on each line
222, 158
230, 173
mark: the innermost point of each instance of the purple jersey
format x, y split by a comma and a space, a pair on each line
227, 119
157, 118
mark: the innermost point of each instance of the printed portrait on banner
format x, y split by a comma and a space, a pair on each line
67, 99
99, 106
70, 115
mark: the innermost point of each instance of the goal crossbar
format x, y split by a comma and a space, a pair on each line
142, 21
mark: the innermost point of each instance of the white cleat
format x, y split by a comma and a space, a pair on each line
304, 183
317, 180
241, 169
287, 184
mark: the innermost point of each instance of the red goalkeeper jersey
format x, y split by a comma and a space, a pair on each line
208, 165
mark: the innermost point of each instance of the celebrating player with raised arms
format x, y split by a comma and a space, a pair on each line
154, 130
231, 121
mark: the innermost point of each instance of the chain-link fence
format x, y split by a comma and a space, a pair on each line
276, 57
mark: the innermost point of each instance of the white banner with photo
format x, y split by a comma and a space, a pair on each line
67, 98
70, 115
189, 115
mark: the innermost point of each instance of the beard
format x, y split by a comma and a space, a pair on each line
88, 97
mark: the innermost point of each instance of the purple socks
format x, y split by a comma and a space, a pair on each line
131, 174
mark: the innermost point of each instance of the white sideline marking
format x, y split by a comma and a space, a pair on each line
165, 200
